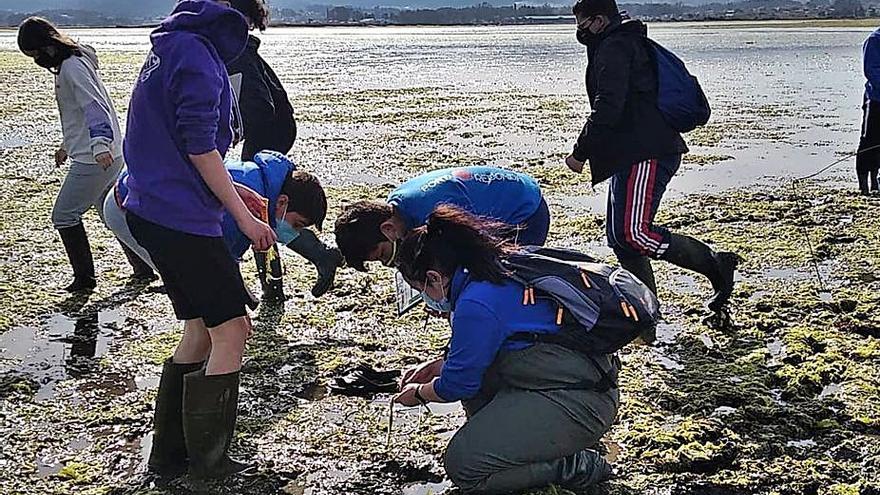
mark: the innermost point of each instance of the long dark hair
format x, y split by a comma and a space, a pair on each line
36, 33
454, 238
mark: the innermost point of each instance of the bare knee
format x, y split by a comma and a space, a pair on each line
195, 345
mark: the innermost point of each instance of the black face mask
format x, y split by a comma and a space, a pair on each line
586, 37
53, 63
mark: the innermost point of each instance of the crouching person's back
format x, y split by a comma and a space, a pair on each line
535, 410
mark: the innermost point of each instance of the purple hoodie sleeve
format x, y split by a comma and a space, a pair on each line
196, 86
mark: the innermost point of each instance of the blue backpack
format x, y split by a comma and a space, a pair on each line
606, 307
680, 98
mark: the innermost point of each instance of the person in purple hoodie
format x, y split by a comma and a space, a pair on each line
179, 129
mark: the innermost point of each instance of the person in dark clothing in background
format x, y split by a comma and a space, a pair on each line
266, 113
627, 140
868, 159
269, 125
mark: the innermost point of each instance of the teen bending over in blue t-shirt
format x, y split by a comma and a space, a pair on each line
372, 230
534, 413
296, 200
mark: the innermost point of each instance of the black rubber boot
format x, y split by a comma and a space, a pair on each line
872, 177
325, 259
584, 471
640, 266
139, 268
270, 273
76, 243
719, 268
168, 454
210, 407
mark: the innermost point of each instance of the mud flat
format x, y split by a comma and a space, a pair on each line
786, 401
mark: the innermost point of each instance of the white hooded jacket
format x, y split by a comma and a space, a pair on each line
88, 119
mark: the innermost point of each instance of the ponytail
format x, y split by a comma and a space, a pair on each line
454, 238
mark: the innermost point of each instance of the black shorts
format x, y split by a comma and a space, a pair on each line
201, 277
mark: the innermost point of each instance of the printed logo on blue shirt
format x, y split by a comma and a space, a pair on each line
463, 174
153, 62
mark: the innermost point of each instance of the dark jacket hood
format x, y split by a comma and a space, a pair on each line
224, 27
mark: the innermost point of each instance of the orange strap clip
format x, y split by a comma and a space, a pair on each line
586, 279
559, 313
625, 309
635, 314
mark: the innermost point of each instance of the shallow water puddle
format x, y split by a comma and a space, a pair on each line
9, 142
427, 488
831, 389
666, 334
62, 347
802, 444
778, 351
685, 284
667, 362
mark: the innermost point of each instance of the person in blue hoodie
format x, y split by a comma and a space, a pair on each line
180, 126
372, 230
296, 200
868, 158
535, 410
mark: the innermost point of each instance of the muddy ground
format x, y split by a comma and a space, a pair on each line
786, 401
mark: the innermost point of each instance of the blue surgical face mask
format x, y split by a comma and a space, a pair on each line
285, 232
441, 306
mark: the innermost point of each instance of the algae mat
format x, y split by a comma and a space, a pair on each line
786, 401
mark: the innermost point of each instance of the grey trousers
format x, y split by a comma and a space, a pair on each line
85, 186
528, 429
114, 218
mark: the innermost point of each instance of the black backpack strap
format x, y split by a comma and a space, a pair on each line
608, 380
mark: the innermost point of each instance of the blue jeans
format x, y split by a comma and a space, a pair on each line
536, 227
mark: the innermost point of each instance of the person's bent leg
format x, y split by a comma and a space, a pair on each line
270, 273
527, 439
633, 203
325, 259
640, 266
536, 228
868, 155
138, 257
76, 196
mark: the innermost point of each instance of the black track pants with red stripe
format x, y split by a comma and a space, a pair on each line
633, 199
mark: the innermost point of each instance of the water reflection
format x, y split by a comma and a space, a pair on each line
63, 347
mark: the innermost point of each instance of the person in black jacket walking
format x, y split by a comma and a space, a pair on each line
269, 125
627, 140
266, 112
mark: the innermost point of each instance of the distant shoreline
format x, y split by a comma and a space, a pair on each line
719, 23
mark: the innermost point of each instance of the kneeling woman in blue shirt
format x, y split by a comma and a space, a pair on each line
535, 411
